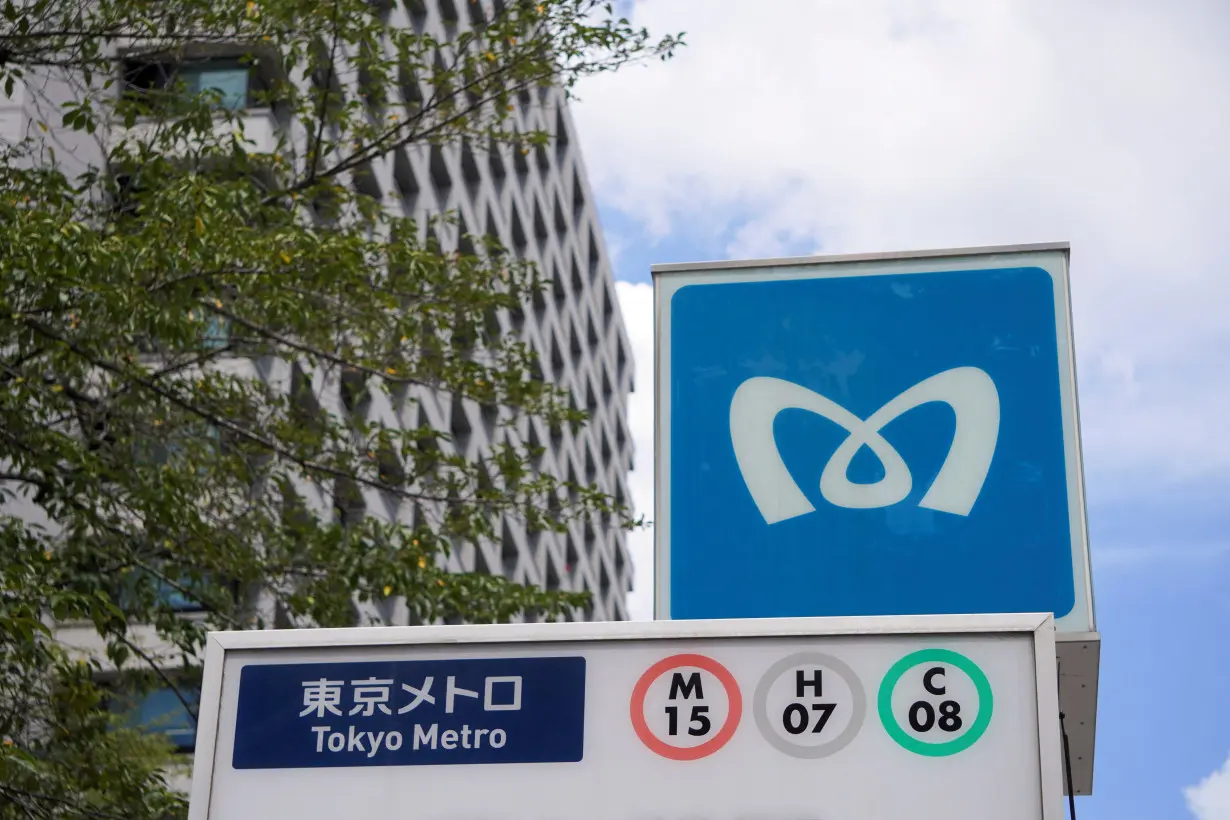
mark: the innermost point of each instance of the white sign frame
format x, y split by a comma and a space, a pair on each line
1039, 626
1052, 257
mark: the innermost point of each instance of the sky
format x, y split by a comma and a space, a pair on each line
793, 127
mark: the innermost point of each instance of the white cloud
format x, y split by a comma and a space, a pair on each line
893, 125
1210, 798
636, 305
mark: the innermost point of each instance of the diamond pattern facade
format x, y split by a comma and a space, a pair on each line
538, 204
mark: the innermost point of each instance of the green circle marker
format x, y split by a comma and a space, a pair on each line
913, 744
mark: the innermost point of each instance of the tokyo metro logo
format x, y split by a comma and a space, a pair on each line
970, 393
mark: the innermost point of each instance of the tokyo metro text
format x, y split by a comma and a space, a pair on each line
398, 713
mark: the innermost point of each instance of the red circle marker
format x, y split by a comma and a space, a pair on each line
734, 712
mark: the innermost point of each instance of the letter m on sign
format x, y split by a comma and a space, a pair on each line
681, 687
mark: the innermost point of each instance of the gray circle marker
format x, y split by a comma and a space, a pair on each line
760, 705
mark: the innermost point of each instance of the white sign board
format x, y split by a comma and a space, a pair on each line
836, 718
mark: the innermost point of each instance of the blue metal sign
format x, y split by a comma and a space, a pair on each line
405, 713
872, 437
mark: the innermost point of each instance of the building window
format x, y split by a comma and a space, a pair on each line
176, 599
175, 596
175, 591
217, 334
161, 711
231, 79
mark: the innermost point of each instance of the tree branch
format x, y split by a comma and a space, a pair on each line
15, 792
187, 593
226, 424
24, 479
324, 99
188, 277
302, 347
160, 673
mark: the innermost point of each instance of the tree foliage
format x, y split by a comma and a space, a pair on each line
196, 319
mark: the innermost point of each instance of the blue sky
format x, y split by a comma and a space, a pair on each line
866, 126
